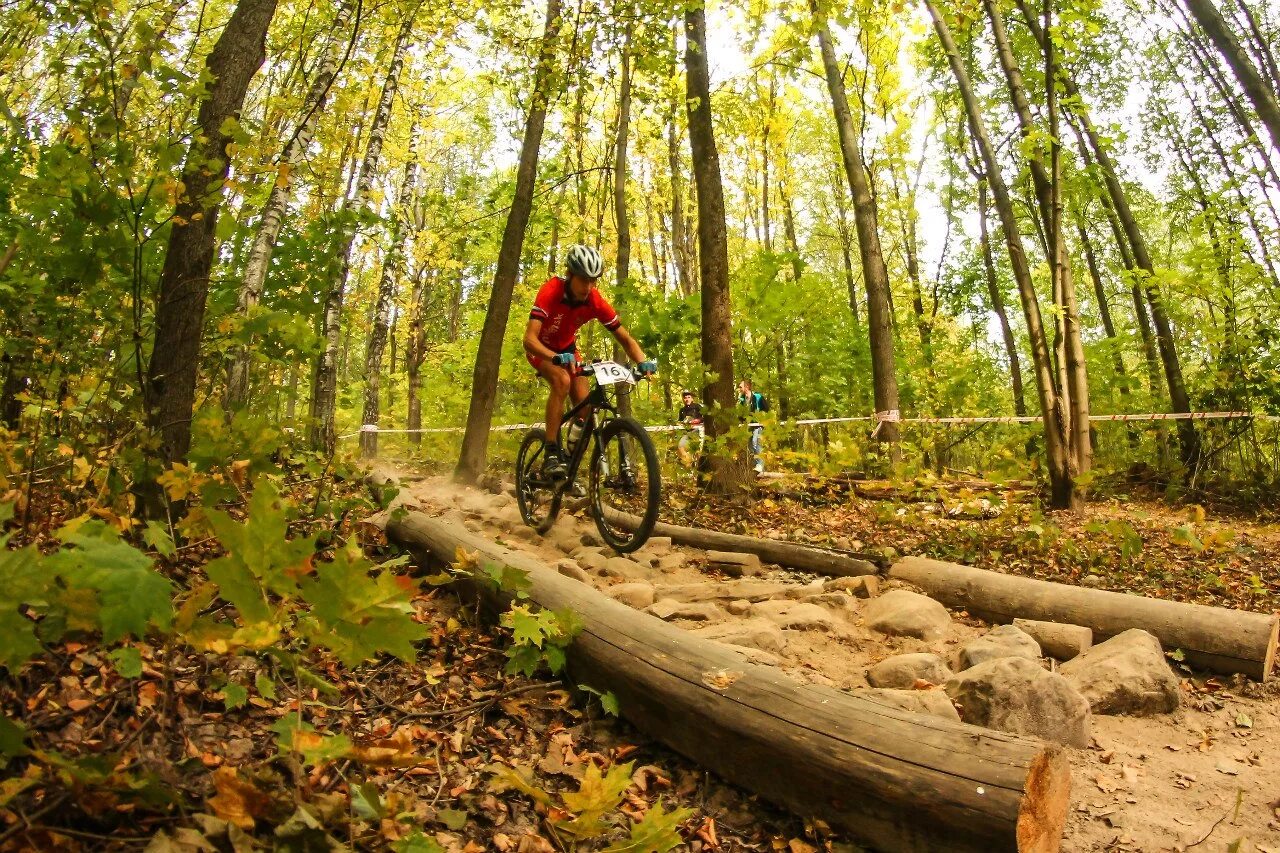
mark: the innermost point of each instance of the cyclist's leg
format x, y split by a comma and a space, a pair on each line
558, 381
682, 448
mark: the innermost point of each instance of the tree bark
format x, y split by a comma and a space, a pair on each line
1104, 308
415, 355
1061, 485
387, 287
271, 218
997, 306
484, 382
713, 252
875, 276
1260, 94
622, 220
184, 281
679, 241
324, 393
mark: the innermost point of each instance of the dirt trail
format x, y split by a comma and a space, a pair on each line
1204, 777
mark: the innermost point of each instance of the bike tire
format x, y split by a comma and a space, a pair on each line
526, 461
617, 537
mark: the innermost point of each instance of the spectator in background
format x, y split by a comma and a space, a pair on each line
691, 416
755, 403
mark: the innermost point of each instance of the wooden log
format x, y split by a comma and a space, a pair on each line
1056, 639
893, 779
810, 558
1213, 638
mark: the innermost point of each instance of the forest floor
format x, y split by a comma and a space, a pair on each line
1200, 778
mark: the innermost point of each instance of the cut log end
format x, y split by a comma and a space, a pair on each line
1043, 813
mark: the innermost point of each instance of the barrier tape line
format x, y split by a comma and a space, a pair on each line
879, 418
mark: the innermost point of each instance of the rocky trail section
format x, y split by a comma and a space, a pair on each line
1159, 761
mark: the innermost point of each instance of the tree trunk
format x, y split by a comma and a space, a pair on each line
391, 269
997, 306
271, 218
1104, 308
622, 221
184, 280
1261, 95
1180, 402
713, 252
679, 242
484, 382
1061, 484
874, 275
846, 250
324, 393
414, 355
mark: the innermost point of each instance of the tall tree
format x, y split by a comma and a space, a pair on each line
713, 244
484, 381
272, 217
324, 386
1062, 487
184, 280
875, 276
621, 219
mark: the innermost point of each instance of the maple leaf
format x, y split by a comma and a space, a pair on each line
656, 833
517, 778
128, 661
260, 556
295, 734
237, 800
12, 737
597, 795
417, 843
356, 615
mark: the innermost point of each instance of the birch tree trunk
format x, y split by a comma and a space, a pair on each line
324, 388
271, 218
169, 393
484, 381
1061, 485
392, 266
875, 276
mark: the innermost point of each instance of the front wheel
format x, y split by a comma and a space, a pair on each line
536, 495
625, 486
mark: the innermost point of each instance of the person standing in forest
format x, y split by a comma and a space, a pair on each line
562, 306
755, 403
691, 416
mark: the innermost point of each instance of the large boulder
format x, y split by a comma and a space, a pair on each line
903, 671
935, 703
1127, 674
1018, 695
901, 613
1002, 641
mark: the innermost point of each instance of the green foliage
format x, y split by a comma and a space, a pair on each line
656, 833
538, 637
296, 735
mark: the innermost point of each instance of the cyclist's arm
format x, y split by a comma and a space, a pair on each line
532, 345
629, 344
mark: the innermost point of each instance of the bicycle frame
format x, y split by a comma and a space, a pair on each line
595, 401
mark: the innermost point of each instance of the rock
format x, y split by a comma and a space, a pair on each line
1057, 640
903, 671
592, 537
472, 525
592, 561
1002, 641
900, 613
577, 553
657, 546
752, 590
733, 564
1091, 580
1127, 674
834, 600
524, 533
637, 595
759, 656
668, 609
671, 562
864, 586
738, 607
935, 703
507, 518
754, 633
570, 569
624, 568
1018, 695
795, 592
795, 615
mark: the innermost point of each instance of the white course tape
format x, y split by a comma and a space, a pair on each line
892, 416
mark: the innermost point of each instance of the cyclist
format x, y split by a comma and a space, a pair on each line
562, 306
691, 416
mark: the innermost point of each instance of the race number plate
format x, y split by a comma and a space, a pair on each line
611, 373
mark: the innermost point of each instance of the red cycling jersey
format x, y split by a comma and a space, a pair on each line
561, 319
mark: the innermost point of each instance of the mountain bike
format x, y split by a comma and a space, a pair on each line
622, 475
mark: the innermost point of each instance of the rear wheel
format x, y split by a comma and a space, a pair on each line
625, 486
537, 496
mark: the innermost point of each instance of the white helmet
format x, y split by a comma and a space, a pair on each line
585, 261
